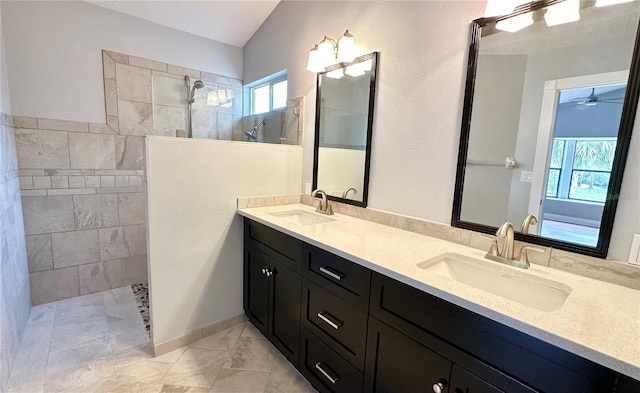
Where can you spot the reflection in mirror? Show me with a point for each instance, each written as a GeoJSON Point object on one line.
{"type": "Point", "coordinates": [344, 118]}
{"type": "Point", "coordinates": [548, 121]}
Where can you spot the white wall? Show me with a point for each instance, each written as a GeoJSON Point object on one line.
{"type": "Point", "coordinates": [54, 57]}
{"type": "Point", "coordinates": [194, 235]}
{"type": "Point", "coordinates": [423, 49]}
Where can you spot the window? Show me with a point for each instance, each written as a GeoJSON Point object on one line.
{"type": "Point", "coordinates": [580, 169]}
{"type": "Point", "coordinates": [268, 94]}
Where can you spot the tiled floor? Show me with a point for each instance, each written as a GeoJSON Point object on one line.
{"type": "Point", "coordinates": [97, 343]}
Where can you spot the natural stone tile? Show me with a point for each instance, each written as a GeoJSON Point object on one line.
{"type": "Point", "coordinates": [168, 119]}
{"type": "Point", "coordinates": [96, 128]}
{"type": "Point", "coordinates": [69, 172]}
{"type": "Point", "coordinates": [96, 211]}
{"type": "Point", "coordinates": [94, 278]}
{"type": "Point", "coordinates": [131, 208]}
{"type": "Point", "coordinates": [138, 377]}
{"type": "Point", "coordinates": [92, 181]}
{"type": "Point", "coordinates": [193, 74]}
{"type": "Point", "coordinates": [85, 378]}
{"type": "Point", "coordinates": [113, 272]}
{"type": "Point", "coordinates": [170, 357]}
{"type": "Point", "coordinates": [221, 341]}
{"type": "Point", "coordinates": [77, 328]}
{"type": "Point", "coordinates": [72, 191]}
{"type": "Point", "coordinates": [238, 381]}
{"type": "Point", "coordinates": [41, 182]}
{"type": "Point", "coordinates": [286, 379]}
{"type": "Point", "coordinates": [113, 244]}
{"type": "Point", "coordinates": [51, 285]}
{"type": "Point", "coordinates": [92, 151]}
{"type": "Point", "coordinates": [120, 190]}
{"type": "Point", "coordinates": [133, 83]}
{"type": "Point", "coordinates": [135, 237]}
{"type": "Point", "coordinates": [107, 181]}
{"type": "Point", "coordinates": [135, 181]}
{"type": "Point", "coordinates": [70, 357]}
{"type": "Point", "coordinates": [63, 125]}
{"type": "Point", "coordinates": [222, 80]}
{"type": "Point", "coordinates": [118, 57]}
{"type": "Point", "coordinates": [146, 63]}
{"type": "Point", "coordinates": [25, 122]}
{"type": "Point", "coordinates": [34, 386]}
{"type": "Point", "coordinates": [108, 66]}
{"type": "Point", "coordinates": [122, 181]}
{"type": "Point", "coordinates": [129, 152]}
{"type": "Point", "coordinates": [42, 313]}
{"type": "Point", "coordinates": [110, 97]}
{"type": "Point", "coordinates": [75, 248]}
{"type": "Point", "coordinates": [29, 365]}
{"type": "Point", "coordinates": [47, 214]}
{"type": "Point", "coordinates": [42, 149]}
{"type": "Point", "coordinates": [619, 273]}
{"type": "Point", "coordinates": [134, 270]}
{"type": "Point", "coordinates": [76, 181]}
{"type": "Point", "coordinates": [39, 252]}
{"type": "Point", "coordinates": [135, 118]}
{"type": "Point", "coordinates": [59, 182]}
{"type": "Point", "coordinates": [113, 123]}
{"type": "Point", "coordinates": [31, 172]}
{"type": "Point", "coordinates": [26, 182]}
{"type": "Point", "coordinates": [33, 193]}
{"type": "Point", "coordinates": [251, 331]}
{"type": "Point", "coordinates": [181, 389]}
{"type": "Point", "coordinates": [251, 353]}
{"type": "Point", "coordinates": [196, 367]}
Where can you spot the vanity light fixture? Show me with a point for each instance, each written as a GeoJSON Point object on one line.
{"type": "Point", "coordinates": [329, 52]}
{"type": "Point", "coordinates": [516, 23]}
{"type": "Point", "coordinates": [564, 12]}
{"type": "Point", "coordinates": [217, 98]}
{"type": "Point", "coordinates": [604, 3]}
{"type": "Point", "coordinates": [358, 68]}
{"type": "Point", "coordinates": [500, 7]}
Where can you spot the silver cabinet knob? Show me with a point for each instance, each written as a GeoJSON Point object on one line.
{"type": "Point", "coordinates": [269, 272]}
{"type": "Point", "coordinates": [438, 387]}
{"type": "Point", "coordinates": [264, 271]}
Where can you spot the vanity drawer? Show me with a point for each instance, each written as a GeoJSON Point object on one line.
{"type": "Point", "coordinates": [278, 241]}
{"type": "Point", "coordinates": [327, 371]}
{"type": "Point", "coordinates": [339, 324]}
{"type": "Point", "coordinates": [344, 278]}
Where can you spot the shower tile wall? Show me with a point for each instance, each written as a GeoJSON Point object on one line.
{"type": "Point", "coordinates": [14, 277]}
{"type": "Point", "coordinates": [281, 126]}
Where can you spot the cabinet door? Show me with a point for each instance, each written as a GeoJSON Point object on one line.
{"type": "Point", "coordinates": [256, 288]}
{"type": "Point", "coordinates": [396, 363]}
{"type": "Point", "coordinates": [463, 381]}
{"type": "Point", "coordinates": [285, 309]}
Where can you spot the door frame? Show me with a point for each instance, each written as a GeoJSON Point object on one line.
{"type": "Point", "coordinates": [545, 131]}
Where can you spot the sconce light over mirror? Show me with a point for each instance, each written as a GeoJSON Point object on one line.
{"type": "Point", "coordinates": [344, 119]}
{"type": "Point", "coordinates": [553, 87]}
{"type": "Point", "coordinates": [329, 52]}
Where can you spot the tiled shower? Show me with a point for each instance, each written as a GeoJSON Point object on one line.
{"type": "Point", "coordinates": [82, 184]}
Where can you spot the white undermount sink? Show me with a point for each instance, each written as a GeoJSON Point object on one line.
{"type": "Point", "coordinates": [302, 217]}
{"type": "Point", "coordinates": [521, 287]}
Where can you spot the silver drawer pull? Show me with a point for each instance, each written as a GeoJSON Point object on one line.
{"type": "Point", "coordinates": [331, 274]}
{"type": "Point", "coordinates": [327, 374]}
{"type": "Point", "coordinates": [336, 325]}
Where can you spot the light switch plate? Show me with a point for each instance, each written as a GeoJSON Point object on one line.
{"type": "Point", "coordinates": [526, 177]}
{"type": "Point", "coordinates": [307, 188]}
{"type": "Point", "coordinates": [634, 253]}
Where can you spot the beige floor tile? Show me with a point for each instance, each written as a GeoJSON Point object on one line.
{"type": "Point", "coordinates": [183, 389]}
{"type": "Point", "coordinates": [35, 386]}
{"type": "Point", "coordinates": [139, 377]}
{"type": "Point", "coordinates": [131, 355]}
{"type": "Point", "coordinates": [252, 353]}
{"type": "Point", "coordinates": [240, 381]}
{"type": "Point", "coordinates": [86, 378]}
{"type": "Point", "coordinates": [251, 331]}
{"type": "Point", "coordinates": [70, 357]}
{"type": "Point", "coordinates": [196, 367]}
{"type": "Point", "coordinates": [222, 341]}
{"type": "Point", "coordinates": [170, 357]}
{"type": "Point", "coordinates": [286, 379]}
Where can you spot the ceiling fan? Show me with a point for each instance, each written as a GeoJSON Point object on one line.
{"type": "Point", "coordinates": [592, 100]}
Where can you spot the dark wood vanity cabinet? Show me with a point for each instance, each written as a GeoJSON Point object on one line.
{"type": "Point", "coordinates": [272, 286]}
{"type": "Point", "coordinates": [348, 329]}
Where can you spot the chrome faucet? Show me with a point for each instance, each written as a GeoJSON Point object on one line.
{"type": "Point", "coordinates": [345, 194]}
{"type": "Point", "coordinates": [505, 232]}
{"type": "Point", "coordinates": [530, 219]}
{"type": "Point", "coordinates": [324, 207]}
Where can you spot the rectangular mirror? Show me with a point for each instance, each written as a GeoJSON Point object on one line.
{"type": "Point", "coordinates": [344, 118]}
{"type": "Point", "coordinates": [547, 123]}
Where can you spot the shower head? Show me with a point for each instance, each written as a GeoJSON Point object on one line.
{"type": "Point", "coordinates": [196, 85]}
{"type": "Point", "coordinates": [251, 134]}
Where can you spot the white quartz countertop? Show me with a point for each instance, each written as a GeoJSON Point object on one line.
{"type": "Point", "coordinates": [598, 321]}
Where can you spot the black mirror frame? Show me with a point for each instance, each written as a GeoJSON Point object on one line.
{"type": "Point", "coordinates": [316, 145]}
{"type": "Point", "coordinates": [622, 147]}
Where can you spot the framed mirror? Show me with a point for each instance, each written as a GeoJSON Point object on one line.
{"type": "Point", "coordinates": [547, 123]}
{"type": "Point", "coordinates": [344, 118]}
